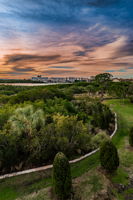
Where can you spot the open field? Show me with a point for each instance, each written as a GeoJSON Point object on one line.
{"type": "Point", "coordinates": [86, 173]}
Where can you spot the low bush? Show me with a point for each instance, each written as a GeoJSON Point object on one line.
{"type": "Point", "coordinates": [109, 157]}
{"type": "Point", "coordinates": [98, 139]}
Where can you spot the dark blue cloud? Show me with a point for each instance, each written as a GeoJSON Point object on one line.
{"type": "Point", "coordinates": [60, 67]}
{"type": "Point", "coordinates": [114, 13]}
{"type": "Point", "coordinates": [70, 11]}
{"type": "Point", "coordinates": [80, 53]}
{"type": "Point", "coordinates": [102, 3]}
{"type": "Point", "coordinates": [110, 71]}
{"type": "Point", "coordinates": [23, 69]}
{"type": "Point", "coordinates": [59, 72]}
{"type": "Point", "coordinates": [120, 70]}
{"type": "Point", "coordinates": [21, 58]}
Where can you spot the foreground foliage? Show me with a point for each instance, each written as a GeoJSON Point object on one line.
{"type": "Point", "coordinates": [62, 183]}
{"type": "Point", "coordinates": [108, 156]}
{"type": "Point", "coordinates": [34, 131]}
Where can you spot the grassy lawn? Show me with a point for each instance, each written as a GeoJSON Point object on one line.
{"type": "Point", "coordinates": [125, 122]}
{"type": "Point", "coordinates": [38, 183]}
{"type": "Point", "coordinates": [19, 186]}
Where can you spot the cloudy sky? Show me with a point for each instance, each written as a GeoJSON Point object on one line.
{"type": "Point", "coordinates": [66, 38]}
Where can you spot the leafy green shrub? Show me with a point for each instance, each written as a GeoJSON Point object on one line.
{"type": "Point", "coordinates": [102, 115]}
{"type": "Point", "coordinates": [38, 93]}
{"type": "Point", "coordinates": [62, 182]}
{"type": "Point", "coordinates": [5, 113]}
{"type": "Point", "coordinates": [4, 99]}
{"type": "Point", "coordinates": [131, 137]}
{"type": "Point", "coordinates": [109, 157]}
{"type": "Point", "coordinates": [99, 139]}
{"type": "Point", "coordinates": [21, 142]}
{"type": "Point", "coordinates": [26, 121]}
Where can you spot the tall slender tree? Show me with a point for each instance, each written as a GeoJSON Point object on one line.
{"type": "Point", "coordinates": [109, 156]}
{"type": "Point", "coordinates": [62, 182]}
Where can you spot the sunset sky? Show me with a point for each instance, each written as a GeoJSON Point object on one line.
{"type": "Point", "coordinates": [66, 38]}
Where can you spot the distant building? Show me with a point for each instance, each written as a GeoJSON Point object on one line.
{"type": "Point", "coordinates": [40, 78]}
{"type": "Point", "coordinates": [116, 80]}
{"type": "Point", "coordinates": [84, 79]}
{"type": "Point", "coordinates": [72, 79]}
{"type": "Point", "coordinates": [43, 79]}
{"type": "Point", "coordinates": [57, 80]}
{"type": "Point", "coordinates": [92, 78]}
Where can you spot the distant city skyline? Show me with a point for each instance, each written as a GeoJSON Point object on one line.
{"type": "Point", "coordinates": [63, 38]}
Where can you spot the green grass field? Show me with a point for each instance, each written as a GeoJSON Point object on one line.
{"type": "Point", "coordinates": [26, 185]}
{"type": "Point", "coordinates": [124, 109]}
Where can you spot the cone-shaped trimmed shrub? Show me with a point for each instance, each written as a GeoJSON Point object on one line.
{"type": "Point", "coordinates": [109, 156]}
{"type": "Point", "coordinates": [131, 137]}
{"type": "Point", "coordinates": [62, 182]}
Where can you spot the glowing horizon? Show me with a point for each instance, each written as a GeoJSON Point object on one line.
{"type": "Point", "coordinates": [66, 38]}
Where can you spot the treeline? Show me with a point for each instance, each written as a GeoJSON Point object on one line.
{"type": "Point", "coordinates": [11, 90]}
{"type": "Point", "coordinates": [17, 81]}
{"type": "Point", "coordinates": [101, 89]}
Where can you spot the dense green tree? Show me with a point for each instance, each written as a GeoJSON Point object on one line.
{"type": "Point", "coordinates": [102, 115]}
{"type": "Point", "coordinates": [91, 89]}
{"type": "Point", "coordinates": [62, 182]}
{"type": "Point", "coordinates": [43, 121]}
{"type": "Point", "coordinates": [22, 133]}
{"type": "Point", "coordinates": [102, 78]}
{"type": "Point", "coordinates": [73, 130]}
{"type": "Point", "coordinates": [109, 156]}
{"type": "Point", "coordinates": [38, 94]}
{"type": "Point", "coordinates": [26, 121]}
